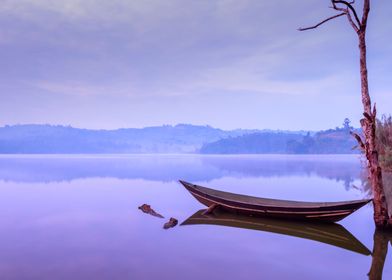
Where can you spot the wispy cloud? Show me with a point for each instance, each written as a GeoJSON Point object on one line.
{"type": "Point", "coordinates": [159, 51]}
{"type": "Point", "coordinates": [77, 88]}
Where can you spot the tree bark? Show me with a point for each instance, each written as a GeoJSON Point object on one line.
{"type": "Point", "coordinates": [368, 124]}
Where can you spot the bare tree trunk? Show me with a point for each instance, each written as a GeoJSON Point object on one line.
{"type": "Point", "coordinates": [368, 123]}
{"type": "Point", "coordinates": [369, 130]}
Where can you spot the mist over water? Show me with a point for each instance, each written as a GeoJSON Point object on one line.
{"type": "Point", "coordinates": [77, 217]}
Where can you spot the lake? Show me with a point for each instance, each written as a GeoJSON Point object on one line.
{"type": "Point", "coordinates": [77, 217]}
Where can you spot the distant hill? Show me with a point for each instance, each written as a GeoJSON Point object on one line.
{"type": "Point", "coordinates": [48, 139]}
{"type": "Point", "coordinates": [334, 141]}
{"type": "Point", "coordinates": [255, 143]}
{"type": "Point", "coordinates": [182, 138]}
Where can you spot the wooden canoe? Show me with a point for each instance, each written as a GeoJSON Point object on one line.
{"type": "Point", "coordinates": [328, 233]}
{"type": "Point", "coordinates": [266, 207]}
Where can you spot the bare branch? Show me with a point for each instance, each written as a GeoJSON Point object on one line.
{"type": "Point", "coordinates": [366, 10]}
{"type": "Point", "coordinates": [350, 7]}
{"type": "Point", "coordinates": [348, 13]}
{"type": "Point", "coordinates": [359, 140]}
{"type": "Point", "coordinates": [356, 28]}
{"type": "Point", "coordinates": [322, 22]}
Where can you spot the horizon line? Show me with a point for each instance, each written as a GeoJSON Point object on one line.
{"type": "Point", "coordinates": [164, 125]}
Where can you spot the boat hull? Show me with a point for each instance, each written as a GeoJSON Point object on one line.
{"type": "Point", "coordinates": [252, 206]}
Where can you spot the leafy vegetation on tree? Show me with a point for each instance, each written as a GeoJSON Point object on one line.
{"type": "Point", "coordinates": [384, 142]}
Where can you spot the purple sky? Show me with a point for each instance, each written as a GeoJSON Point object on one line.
{"type": "Point", "coordinates": [226, 63]}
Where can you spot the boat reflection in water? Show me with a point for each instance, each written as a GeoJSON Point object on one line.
{"type": "Point", "coordinates": [331, 233]}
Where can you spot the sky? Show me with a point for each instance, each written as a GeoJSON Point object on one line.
{"type": "Point", "coordinates": [106, 64]}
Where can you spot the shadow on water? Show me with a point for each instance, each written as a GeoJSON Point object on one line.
{"type": "Point", "coordinates": [328, 233]}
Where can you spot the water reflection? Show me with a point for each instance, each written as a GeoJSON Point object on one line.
{"type": "Point", "coordinates": [345, 168]}
{"type": "Point", "coordinates": [380, 251]}
{"type": "Point", "coordinates": [327, 233]}
{"type": "Point", "coordinates": [333, 234]}
{"type": "Point", "coordinates": [165, 168]}
{"type": "Point", "coordinates": [382, 238]}
{"type": "Point", "coordinates": [77, 217]}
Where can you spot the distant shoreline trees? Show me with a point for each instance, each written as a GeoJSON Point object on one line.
{"type": "Point", "coordinates": [384, 142]}
{"type": "Point", "coordinates": [331, 141]}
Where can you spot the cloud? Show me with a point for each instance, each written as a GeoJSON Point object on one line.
{"type": "Point", "coordinates": [69, 88]}
{"type": "Point", "coordinates": [77, 88]}
{"type": "Point", "coordinates": [166, 49]}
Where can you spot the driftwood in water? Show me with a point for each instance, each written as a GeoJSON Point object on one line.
{"type": "Point", "coordinates": [171, 223]}
{"type": "Point", "coordinates": [148, 210]}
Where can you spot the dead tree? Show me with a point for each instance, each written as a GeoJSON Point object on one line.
{"type": "Point", "coordinates": [368, 123]}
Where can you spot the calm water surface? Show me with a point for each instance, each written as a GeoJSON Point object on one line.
{"type": "Point", "coordinates": [77, 217]}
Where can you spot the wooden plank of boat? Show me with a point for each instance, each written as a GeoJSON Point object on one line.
{"type": "Point", "coordinates": [328, 233]}
{"type": "Point", "coordinates": [255, 206]}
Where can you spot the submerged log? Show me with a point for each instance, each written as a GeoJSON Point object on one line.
{"type": "Point", "coordinates": [171, 223]}
{"type": "Point", "coordinates": [148, 210]}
